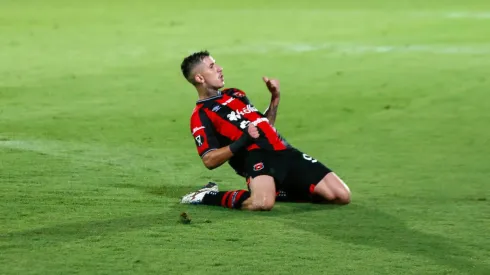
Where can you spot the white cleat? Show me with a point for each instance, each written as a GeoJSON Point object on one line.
{"type": "Point", "coordinates": [197, 196]}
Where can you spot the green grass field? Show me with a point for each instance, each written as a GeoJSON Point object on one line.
{"type": "Point", "coordinates": [95, 145]}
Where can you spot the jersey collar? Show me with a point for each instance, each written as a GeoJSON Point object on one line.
{"type": "Point", "coordinates": [219, 95]}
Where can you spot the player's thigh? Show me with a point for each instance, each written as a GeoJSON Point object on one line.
{"type": "Point", "coordinates": [261, 170]}
{"type": "Point", "coordinates": [333, 188]}
{"type": "Point", "coordinates": [264, 163]}
{"type": "Point", "coordinates": [262, 187]}
{"type": "Point", "coordinates": [305, 174]}
{"type": "Point", "coordinates": [262, 193]}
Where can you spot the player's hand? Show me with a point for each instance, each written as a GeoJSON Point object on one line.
{"type": "Point", "coordinates": [272, 85]}
{"type": "Point", "coordinates": [253, 131]}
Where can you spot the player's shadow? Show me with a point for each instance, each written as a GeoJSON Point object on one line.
{"type": "Point", "coordinates": [360, 225]}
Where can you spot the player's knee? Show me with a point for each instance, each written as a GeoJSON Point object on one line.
{"type": "Point", "coordinates": [341, 193]}
{"type": "Point", "coordinates": [263, 193]}
{"type": "Point", "coordinates": [332, 188]}
{"type": "Point", "coordinates": [343, 196]}
{"type": "Point", "coordinates": [264, 203]}
{"type": "Point", "coordinates": [259, 203]}
{"type": "Point", "coordinates": [267, 205]}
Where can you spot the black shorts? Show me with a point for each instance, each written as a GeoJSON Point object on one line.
{"type": "Point", "coordinates": [294, 172]}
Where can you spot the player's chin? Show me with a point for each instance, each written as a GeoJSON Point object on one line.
{"type": "Point", "coordinates": [220, 84]}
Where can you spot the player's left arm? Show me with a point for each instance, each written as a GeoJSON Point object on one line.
{"type": "Point", "coordinates": [274, 89]}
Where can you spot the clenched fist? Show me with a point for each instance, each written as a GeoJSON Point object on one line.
{"type": "Point", "coordinates": [272, 86]}
{"type": "Point", "coordinates": [253, 131]}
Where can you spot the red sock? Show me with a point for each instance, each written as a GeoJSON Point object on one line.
{"type": "Point", "coordinates": [229, 199]}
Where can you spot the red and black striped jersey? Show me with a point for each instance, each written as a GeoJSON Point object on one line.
{"type": "Point", "coordinates": [218, 121]}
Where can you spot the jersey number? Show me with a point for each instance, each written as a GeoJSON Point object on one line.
{"type": "Point", "coordinates": [308, 158]}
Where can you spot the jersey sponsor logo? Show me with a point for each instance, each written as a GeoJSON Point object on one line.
{"type": "Point", "coordinates": [216, 108]}
{"type": "Point", "coordinates": [244, 124]}
{"type": "Point", "coordinates": [258, 166]}
{"type": "Point", "coordinates": [237, 114]}
{"type": "Point", "coordinates": [228, 101]}
{"type": "Point", "coordinates": [199, 140]}
{"type": "Point", "coordinates": [197, 129]}
{"type": "Point", "coordinates": [256, 122]}
{"type": "Point", "coordinates": [233, 116]}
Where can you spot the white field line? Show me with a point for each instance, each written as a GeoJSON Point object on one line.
{"type": "Point", "coordinates": [352, 48]}
{"type": "Point", "coordinates": [87, 154]}
{"type": "Point", "coordinates": [467, 15]}
{"type": "Point", "coordinates": [404, 13]}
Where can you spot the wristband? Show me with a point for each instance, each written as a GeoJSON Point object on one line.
{"type": "Point", "coordinates": [240, 143]}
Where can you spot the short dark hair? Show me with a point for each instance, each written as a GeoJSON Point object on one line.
{"type": "Point", "coordinates": [192, 61]}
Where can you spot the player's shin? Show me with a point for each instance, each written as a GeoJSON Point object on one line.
{"type": "Point", "coordinates": [229, 199]}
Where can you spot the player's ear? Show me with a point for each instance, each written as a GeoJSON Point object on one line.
{"type": "Point", "coordinates": [198, 78]}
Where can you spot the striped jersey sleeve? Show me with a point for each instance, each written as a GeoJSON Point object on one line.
{"type": "Point", "coordinates": [203, 132]}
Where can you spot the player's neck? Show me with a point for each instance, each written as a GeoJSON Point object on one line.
{"type": "Point", "coordinates": [204, 92]}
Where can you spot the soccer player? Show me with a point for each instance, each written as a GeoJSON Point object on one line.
{"type": "Point", "coordinates": [227, 127]}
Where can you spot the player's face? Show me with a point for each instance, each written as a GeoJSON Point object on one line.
{"type": "Point", "coordinates": [211, 74]}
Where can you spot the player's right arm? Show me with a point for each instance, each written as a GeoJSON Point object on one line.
{"type": "Point", "coordinates": [207, 145]}
{"type": "Point", "coordinates": [217, 157]}
{"type": "Point", "coordinates": [273, 87]}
